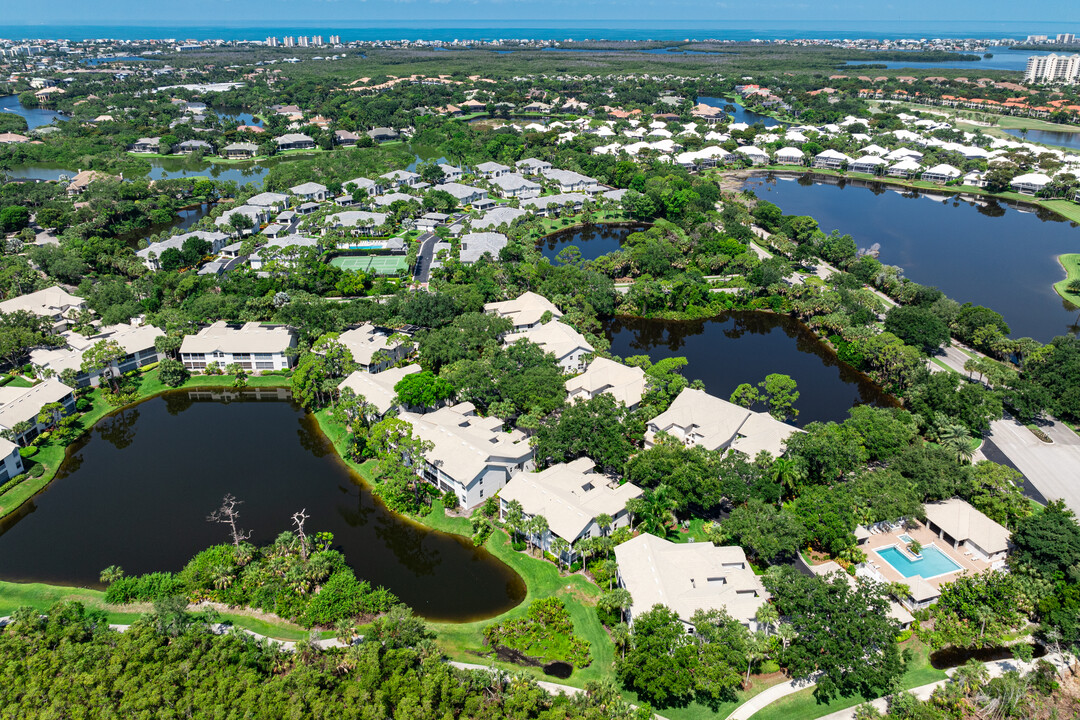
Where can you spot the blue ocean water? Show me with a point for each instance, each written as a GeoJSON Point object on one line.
{"type": "Point", "coordinates": [449, 30]}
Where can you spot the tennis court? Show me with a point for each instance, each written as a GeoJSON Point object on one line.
{"type": "Point", "coordinates": [377, 264]}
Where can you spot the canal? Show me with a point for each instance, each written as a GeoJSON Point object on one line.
{"type": "Point", "coordinates": [975, 250]}
{"type": "Point", "coordinates": [743, 347]}
{"type": "Point", "coordinates": [136, 492]}
{"type": "Point", "coordinates": [35, 117]}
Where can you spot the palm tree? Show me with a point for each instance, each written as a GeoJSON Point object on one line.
{"type": "Point", "coordinates": [345, 631]}
{"type": "Point", "coordinates": [537, 528]}
{"type": "Point", "coordinates": [755, 651]}
{"type": "Point", "coordinates": [604, 521]}
{"type": "Point", "coordinates": [786, 632]}
{"type": "Point", "coordinates": [957, 439]}
{"type": "Point", "coordinates": [111, 574]}
{"type": "Point", "coordinates": [560, 549]}
{"type": "Point", "coordinates": [221, 576]}
{"type": "Point", "coordinates": [767, 616]}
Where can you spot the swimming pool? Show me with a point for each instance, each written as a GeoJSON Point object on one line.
{"type": "Point", "coordinates": [905, 538]}
{"type": "Point", "coordinates": [933, 562]}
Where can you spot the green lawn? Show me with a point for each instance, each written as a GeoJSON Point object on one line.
{"type": "Point", "coordinates": [1070, 262]}
{"type": "Point", "coordinates": [17, 381]}
{"type": "Point", "coordinates": [803, 706]}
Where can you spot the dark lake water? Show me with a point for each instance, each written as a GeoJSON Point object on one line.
{"type": "Point", "coordinates": [181, 167]}
{"type": "Point", "coordinates": [136, 493]}
{"type": "Point", "coordinates": [1002, 60]}
{"type": "Point", "coordinates": [1047, 137]}
{"type": "Point", "coordinates": [741, 114]}
{"type": "Point", "coordinates": [35, 117]}
{"type": "Point", "coordinates": [744, 347]}
{"type": "Point", "coordinates": [592, 240]}
{"type": "Point", "coordinates": [982, 252]}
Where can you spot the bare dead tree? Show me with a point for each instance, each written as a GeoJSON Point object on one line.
{"type": "Point", "coordinates": [228, 514]}
{"type": "Point", "coordinates": [299, 518]}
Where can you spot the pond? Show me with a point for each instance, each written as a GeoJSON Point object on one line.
{"type": "Point", "coordinates": [741, 114]}
{"type": "Point", "coordinates": [35, 117]}
{"type": "Point", "coordinates": [181, 167]}
{"type": "Point", "coordinates": [185, 219]}
{"type": "Point", "coordinates": [974, 250]}
{"type": "Point", "coordinates": [1047, 137]}
{"type": "Point", "coordinates": [137, 491]}
{"type": "Point", "coordinates": [592, 240]}
{"type": "Point", "coordinates": [41, 172]}
{"type": "Point", "coordinates": [743, 347]}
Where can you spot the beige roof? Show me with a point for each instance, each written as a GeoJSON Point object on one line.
{"type": "Point", "coordinates": [49, 302]}
{"type": "Point", "coordinates": [252, 337]}
{"type": "Point", "coordinates": [964, 522]}
{"type": "Point", "coordinates": [19, 404]}
{"type": "Point", "coordinates": [7, 448]}
{"type": "Point", "coordinates": [465, 443]}
{"type": "Point", "coordinates": [132, 338]}
{"type": "Point", "coordinates": [762, 431]}
{"type": "Point", "coordinates": [626, 384]}
{"type": "Point", "coordinates": [554, 337]}
{"type": "Point", "coordinates": [364, 341]}
{"type": "Point", "coordinates": [569, 495]}
{"type": "Point", "coordinates": [689, 577]}
{"type": "Point", "coordinates": [378, 388]}
{"type": "Point", "coordinates": [711, 421]}
{"type": "Point", "coordinates": [525, 309]}
{"type": "Point", "coordinates": [921, 590]}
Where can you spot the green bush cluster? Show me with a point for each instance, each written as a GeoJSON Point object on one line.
{"type": "Point", "coordinates": [546, 632]}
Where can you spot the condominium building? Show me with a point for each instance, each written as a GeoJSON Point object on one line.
{"type": "Point", "coordinates": [252, 346]}
{"type": "Point", "coordinates": [1053, 69]}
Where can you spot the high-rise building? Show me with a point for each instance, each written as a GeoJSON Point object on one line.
{"type": "Point", "coordinates": [335, 39]}
{"type": "Point", "coordinates": [1066, 38]}
{"type": "Point", "coordinates": [289, 41]}
{"type": "Point", "coordinates": [302, 41]}
{"type": "Point", "coordinates": [1053, 69]}
{"type": "Point", "coordinates": [316, 41]}
{"type": "Point", "coordinates": [271, 42]}
{"type": "Point", "coordinates": [1036, 39]}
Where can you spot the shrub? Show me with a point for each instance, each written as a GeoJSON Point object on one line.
{"type": "Point", "coordinates": [172, 372]}
{"type": "Point", "coordinates": [339, 599]}
{"type": "Point", "coordinates": [30, 451]}
{"type": "Point", "coordinates": [37, 470]}
{"type": "Point", "coordinates": [144, 588]}
{"type": "Point", "coordinates": [450, 500]}
{"type": "Point", "coordinates": [82, 404]}
{"type": "Point", "coordinates": [12, 483]}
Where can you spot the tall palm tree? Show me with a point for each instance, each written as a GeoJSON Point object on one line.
{"type": "Point", "coordinates": [221, 576]}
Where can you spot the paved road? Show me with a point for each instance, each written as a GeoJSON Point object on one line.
{"type": "Point", "coordinates": [422, 272]}
{"type": "Point", "coordinates": [1050, 467]}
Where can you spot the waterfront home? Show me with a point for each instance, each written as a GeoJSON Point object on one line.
{"type": "Point", "coordinates": [624, 383]}
{"type": "Point", "coordinates": [569, 347]}
{"type": "Point", "coordinates": [189, 146]}
{"type": "Point", "coordinates": [512, 185]}
{"type": "Point", "coordinates": [687, 577]}
{"type": "Point", "coordinates": [867, 164]}
{"type": "Point", "coordinates": [272, 200]}
{"type": "Point", "coordinates": [284, 250]}
{"type": "Point", "coordinates": [136, 339]}
{"type": "Point", "coordinates": [491, 169]}
{"type": "Point", "coordinates": [369, 187]}
{"type": "Point", "coordinates": [295, 141]}
{"type": "Point", "coordinates": [450, 173]}
{"type": "Point", "coordinates": [1030, 183]}
{"type": "Point", "coordinates": [902, 153]}
{"type": "Point", "coordinates": [151, 254]}
{"type": "Point", "coordinates": [20, 407]}
{"type": "Point", "coordinates": [382, 134]}
{"type": "Point", "coordinates": [240, 150]}
{"type": "Point", "coordinates": [146, 145]}
{"type": "Point", "coordinates": [309, 191]}
{"type": "Point", "coordinates": [570, 496]}
{"type": "Point", "coordinates": [755, 155]}
{"type": "Point", "coordinates": [378, 389]}
{"type": "Point", "coordinates": [9, 138]}
{"type": "Point", "coordinates": [400, 178]}
{"type": "Point", "coordinates": [964, 528]}
{"type": "Point", "coordinates": [253, 346]}
{"type": "Point", "coordinates": [874, 150]}
{"type": "Point", "coordinates": [526, 311]}
{"type": "Point", "coordinates": [790, 156]}
{"type": "Point", "coordinates": [497, 217]}
{"type": "Point", "coordinates": [905, 168]}
{"type": "Point", "coordinates": [373, 348]}
{"type": "Point", "coordinates": [360, 222]}
{"type": "Point", "coordinates": [697, 418]}
{"type": "Point", "coordinates": [345, 138]}
{"type": "Point", "coordinates": [941, 174]}
{"type": "Point", "coordinates": [471, 456]}
{"type": "Point", "coordinates": [464, 194]}
{"type": "Point", "coordinates": [53, 302]}
{"type": "Point", "coordinates": [475, 245]}
{"type": "Point", "coordinates": [831, 159]}
{"type": "Point", "coordinates": [569, 181]}
{"type": "Point", "coordinates": [11, 463]}
{"type": "Point", "coordinates": [975, 179]}
{"type": "Point", "coordinates": [708, 113]}
{"type": "Point", "coordinates": [532, 166]}
{"type": "Point", "coordinates": [256, 216]}
{"type": "Point", "coordinates": [82, 180]}
{"type": "Point", "coordinates": [553, 204]}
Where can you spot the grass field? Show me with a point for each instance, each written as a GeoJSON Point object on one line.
{"type": "Point", "coordinates": [378, 264]}
{"type": "Point", "coordinates": [1070, 262]}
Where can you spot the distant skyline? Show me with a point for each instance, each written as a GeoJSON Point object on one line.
{"type": "Point", "coordinates": [1052, 14]}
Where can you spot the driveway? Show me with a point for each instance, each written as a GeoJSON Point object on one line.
{"type": "Point", "coordinates": [424, 256]}
{"type": "Point", "coordinates": [1052, 468]}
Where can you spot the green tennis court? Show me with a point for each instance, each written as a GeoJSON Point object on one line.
{"type": "Point", "coordinates": [378, 264]}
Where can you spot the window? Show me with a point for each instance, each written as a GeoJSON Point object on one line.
{"type": "Point", "coordinates": [481, 492]}
{"type": "Point", "coordinates": [264, 356]}
{"type": "Point", "coordinates": [264, 366]}
{"type": "Point", "coordinates": [241, 356]}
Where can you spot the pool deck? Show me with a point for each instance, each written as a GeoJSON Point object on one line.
{"type": "Point", "coordinates": [925, 538]}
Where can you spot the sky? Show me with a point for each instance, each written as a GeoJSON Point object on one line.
{"type": "Point", "coordinates": [1054, 14]}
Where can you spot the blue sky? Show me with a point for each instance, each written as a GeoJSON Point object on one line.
{"type": "Point", "coordinates": [1052, 14]}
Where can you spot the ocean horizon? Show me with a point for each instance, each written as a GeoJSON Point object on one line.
{"type": "Point", "coordinates": [612, 30]}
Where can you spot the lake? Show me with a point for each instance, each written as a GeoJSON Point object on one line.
{"type": "Point", "coordinates": [592, 240]}
{"type": "Point", "coordinates": [978, 251]}
{"type": "Point", "coordinates": [1003, 59]}
{"type": "Point", "coordinates": [1047, 137]}
{"type": "Point", "coordinates": [743, 347]}
{"type": "Point", "coordinates": [181, 167]}
{"type": "Point", "coordinates": [35, 117]}
{"type": "Point", "coordinates": [137, 491]}
{"type": "Point", "coordinates": [741, 114]}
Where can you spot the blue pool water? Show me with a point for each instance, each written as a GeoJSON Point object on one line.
{"type": "Point", "coordinates": [933, 562]}
{"type": "Point", "coordinates": [905, 538]}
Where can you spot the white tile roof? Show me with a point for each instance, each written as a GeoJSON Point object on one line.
{"type": "Point", "coordinates": [554, 337]}
{"type": "Point", "coordinates": [251, 337]}
{"type": "Point", "coordinates": [626, 384]}
{"type": "Point", "coordinates": [525, 309]}
{"type": "Point", "coordinates": [378, 388]}
{"type": "Point", "coordinates": [963, 522]}
{"type": "Point", "coordinates": [465, 444]}
{"type": "Point", "coordinates": [23, 404]}
{"type": "Point", "coordinates": [46, 303]}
